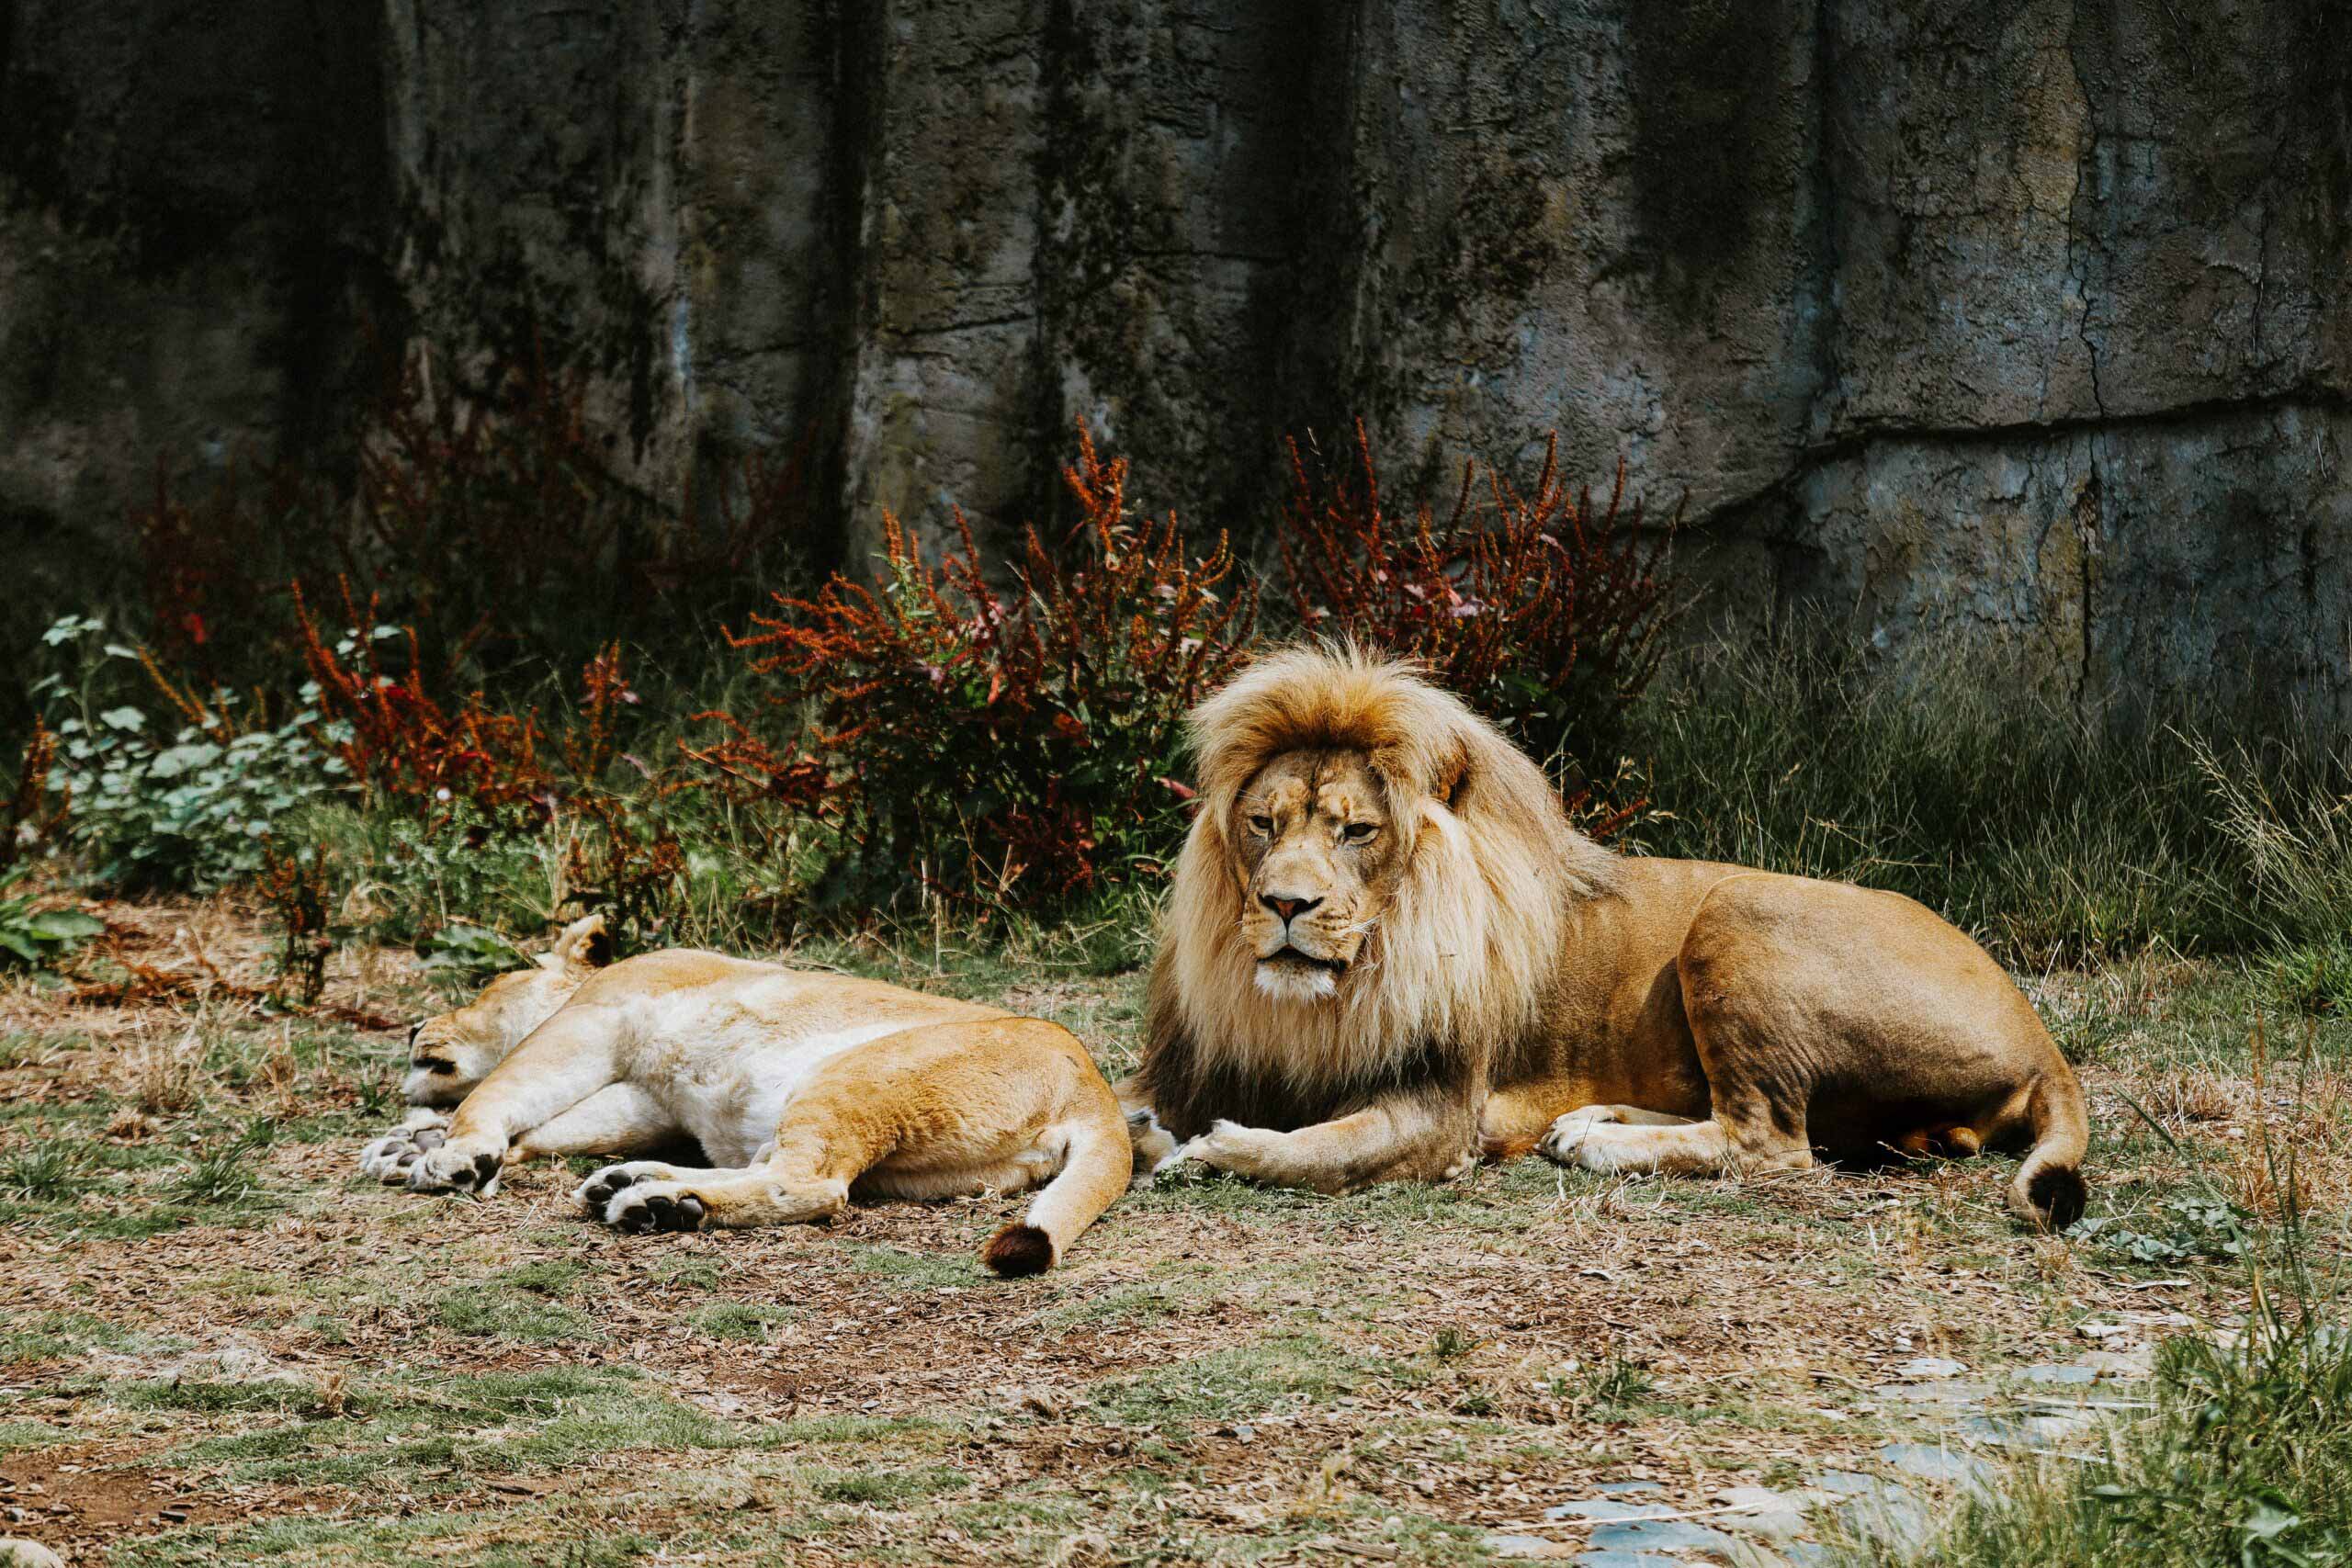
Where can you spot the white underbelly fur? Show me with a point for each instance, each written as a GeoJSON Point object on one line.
{"type": "Point", "coordinates": [726, 1084]}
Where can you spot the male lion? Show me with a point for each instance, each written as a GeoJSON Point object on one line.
{"type": "Point", "coordinates": [1386, 950]}
{"type": "Point", "coordinates": [808, 1087]}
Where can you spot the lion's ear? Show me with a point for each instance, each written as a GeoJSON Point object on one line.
{"type": "Point", "coordinates": [1418, 766]}
{"type": "Point", "coordinates": [1453, 772]}
{"type": "Point", "coordinates": [584, 944]}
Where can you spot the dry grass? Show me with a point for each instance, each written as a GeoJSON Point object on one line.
{"type": "Point", "coordinates": [220, 1346]}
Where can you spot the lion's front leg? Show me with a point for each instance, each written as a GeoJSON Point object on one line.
{"type": "Point", "coordinates": [1404, 1139]}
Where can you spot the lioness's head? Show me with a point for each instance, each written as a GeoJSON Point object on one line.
{"type": "Point", "coordinates": [450, 1052]}
{"type": "Point", "coordinates": [1374, 868]}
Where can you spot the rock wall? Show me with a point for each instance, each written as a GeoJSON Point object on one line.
{"type": "Point", "coordinates": [2024, 322]}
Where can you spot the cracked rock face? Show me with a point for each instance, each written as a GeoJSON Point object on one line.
{"type": "Point", "coordinates": [2023, 322]}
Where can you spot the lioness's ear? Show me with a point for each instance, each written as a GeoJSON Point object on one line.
{"type": "Point", "coordinates": [584, 944]}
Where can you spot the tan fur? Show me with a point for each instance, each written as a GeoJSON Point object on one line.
{"type": "Point", "coordinates": [1387, 947]}
{"type": "Point", "coordinates": [807, 1089]}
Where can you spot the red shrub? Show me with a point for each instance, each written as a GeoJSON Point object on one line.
{"type": "Point", "coordinates": [404, 745]}
{"type": "Point", "coordinates": [1016, 750]}
{"type": "Point", "coordinates": [1544, 613]}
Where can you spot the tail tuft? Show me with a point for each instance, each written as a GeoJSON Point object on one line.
{"type": "Point", "coordinates": [2057, 1195]}
{"type": "Point", "coordinates": [1018, 1250]}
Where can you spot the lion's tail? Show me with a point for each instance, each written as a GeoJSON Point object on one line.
{"type": "Point", "coordinates": [1096, 1171]}
{"type": "Point", "coordinates": [2048, 1191]}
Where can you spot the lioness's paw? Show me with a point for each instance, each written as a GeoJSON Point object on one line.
{"type": "Point", "coordinates": [654, 1206]}
{"type": "Point", "coordinates": [1566, 1143]}
{"type": "Point", "coordinates": [390, 1158]}
{"type": "Point", "coordinates": [457, 1167]}
{"type": "Point", "coordinates": [595, 1194]}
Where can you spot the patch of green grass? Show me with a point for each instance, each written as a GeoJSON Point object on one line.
{"type": "Point", "coordinates": [496, 1312]}
{"type": "Point", "coordinates": [552, 1542]}
{"type": "Point", "coordinates": [207, 1396]}
{"type": "Point", "coordinates": [225, 1177]}
{"type": "Point", "coordinates": [915, 1269]}
{"type": "Point", "coordinates": [2315, 979]}
{"type": "Point", "coordinates": [753, 1322]}
{"type": "Point", "coordinates": [48, 1171]}
{"type": "Point", "coordinates": [547, 1277]}
{"type": "Point", "coordinates": [19, 1436]}
{"type": "Point", "coordinates": [1609, 1389]}
{"type": "Point", "coordinates": [58, 1335]}
{"type": "Point", "coordinates": [888, 1488]}
{"type": "Point", "coordinates": [1281, 1369]}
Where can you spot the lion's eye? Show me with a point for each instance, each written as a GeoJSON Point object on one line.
{"type": "Point", "coordinates": [1359, 833]}
{"type": "Point", "coordinates": [1261, 825]}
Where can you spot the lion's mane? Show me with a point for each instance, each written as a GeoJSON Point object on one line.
{"type": "Point", "coordinates": [1460, 966]}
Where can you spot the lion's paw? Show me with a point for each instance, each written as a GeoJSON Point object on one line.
{"type": "Point", "coordinates": [596, 1195]}
{"type": "Point", "coordinates": [654, 1206]}
{"type": "Point", "coordinates": [1252, 1152]}
{"type": "Point", "coordinates": [1567, 1141]}
{"type": "Point", "coordinates": [457, 1167]}
{"type": "Point", "coordinates": [390, 1158]}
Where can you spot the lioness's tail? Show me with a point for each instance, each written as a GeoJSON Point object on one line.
{"type": "Point", "coordinates": [2049, 1188]}
{"type": "Point", "coordinates": [1094, 1172]}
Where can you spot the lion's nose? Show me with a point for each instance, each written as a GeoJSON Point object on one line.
{"type": "Point", "coordinates": [1289, 909]}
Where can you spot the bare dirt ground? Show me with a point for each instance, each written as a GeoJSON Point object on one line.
{"type": "Point", "coordinates": [218, 1345]}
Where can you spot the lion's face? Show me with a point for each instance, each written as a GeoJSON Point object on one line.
{"type": "Point", "coordinates": [452, 1052]}
{"type": "Point", "coordinates": [1319, 859]}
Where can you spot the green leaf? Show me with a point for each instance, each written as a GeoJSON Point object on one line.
{"type": "Point", "coordinates": [64, 925]}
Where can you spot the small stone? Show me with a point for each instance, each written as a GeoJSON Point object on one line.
{"type": "Point", "coordinates": [1663, 1535]}
{"type": "Point", "coordinates": [1925, 1368]}
{"type": "Point", "coordinates": [1625, 1488]}
{"type": "Point", "coordinates": [1527, 1546]}
{"type": "Point", "coordinates": [1892, 1517]}
{"type": "Point", "coordinates": [17, 1552]}
{"type": "Point", "coordinates": [1775, 1515]}
{"type": "Point", "coordinates": [2050, 1373]}
{"type": "Point", "coordinates": [2136, 1363]}
{"type": "Point", "coordinates": [1606, 1509]}
{"type": "Point", "coordinates": [2105, 1330]}
{"type": "Point", "coordinates": [1931, 1464]}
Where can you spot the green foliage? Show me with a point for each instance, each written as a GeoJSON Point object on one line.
{"type": "Point", "coordinates": [36, 938]}
{"type": "Point", "coordinates": [2187, 1226]}
{"type": "Point", "coordinates": [2051, 837]}
{"type": "Point", "coordinates": [2316, 977]}
{"type": "Point", "coordinates": [470, 953]}
{"type": "Point", "coordinates": [187, 809]}
{"type": "Point", "coordinates": [2248, 1460]}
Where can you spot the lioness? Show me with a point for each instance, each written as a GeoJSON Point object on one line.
{"type": "Point", "coordinates": [1387, 949]}
{"type": "Point", "coordinates": [809, 1087]}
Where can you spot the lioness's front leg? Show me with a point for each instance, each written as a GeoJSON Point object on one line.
{"type": "Point", "coordinates": [564, 1061]}
{"type": "Point", "coordinates": [1400, 1138]}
